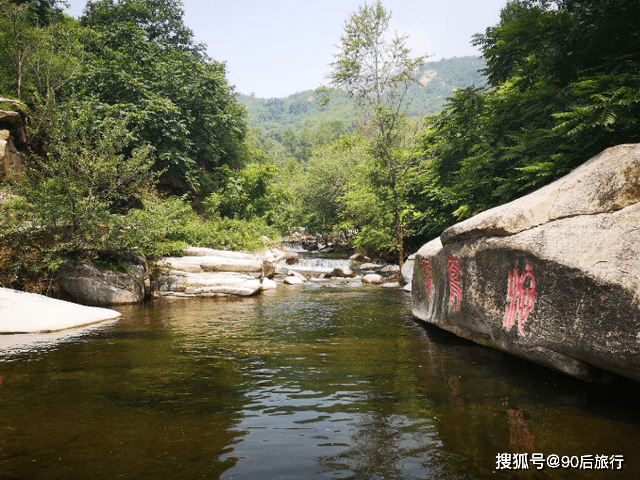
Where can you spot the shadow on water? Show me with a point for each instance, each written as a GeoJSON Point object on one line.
{"type": "Point", "coordinates": [317, 381]}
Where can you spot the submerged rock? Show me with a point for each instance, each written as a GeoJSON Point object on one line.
{"type": "Point", "coordinates": [298, 275]}
{"type": "Point", "coordinates": [370, 266]}
{"type": "Point", "coordinates": [551, 277]}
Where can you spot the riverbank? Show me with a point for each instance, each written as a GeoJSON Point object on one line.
{"type": "Point", "coordinates": [22, 312]}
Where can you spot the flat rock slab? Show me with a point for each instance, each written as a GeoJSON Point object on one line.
{"type": "Point", "coordinates": [206, 284]}
{"type": "Point", "coordinates": [22, 312]}
{"type": "Point", "coordinates": [211, 252]}
{"type": "Point", "coordinates": [209, 263]}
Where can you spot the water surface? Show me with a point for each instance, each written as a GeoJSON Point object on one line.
{"type": "Point", "coordinates": [320, 381]}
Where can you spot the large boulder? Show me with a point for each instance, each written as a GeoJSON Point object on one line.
{"type": "Point", "coordinates": [551, 277]}
{"type": "Point", "coordinates": [91, 285]}
{"type": "Point", "coordinates": [14, 122]}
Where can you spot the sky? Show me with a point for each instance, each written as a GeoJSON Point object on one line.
{"type": "Point", "coordinates": [274, 49]}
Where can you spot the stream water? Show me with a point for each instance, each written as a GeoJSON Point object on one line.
{"type": "Point", "coordinates": [322, 381]}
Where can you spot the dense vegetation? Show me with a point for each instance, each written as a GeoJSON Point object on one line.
{"type": "Point", "coordinates": [138, 144]}
{"type": "Point", "coordinates": [564, 84]}
{"type": "Point", "coordinates": [130, 124]}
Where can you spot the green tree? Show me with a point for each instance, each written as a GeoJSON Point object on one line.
{"type": "Point", "coordinates": [376, 72]}
{"type": "Point", "coordinates": [332, 170]}
{"type": "Point", "coordinates": [246, 193]}
{"type": "Point", "coordinates": [87, 173]}
{"type": "Point", "coordinates": [143, 60]}
{"type": "Point", "coordinates": [37, 57]}
{"type": "Point", "coordinates": [45, 10]}
{"type": "Point", "coordinates": [17, 43]}
{"type": "Point", "coordinates": [73, 199]}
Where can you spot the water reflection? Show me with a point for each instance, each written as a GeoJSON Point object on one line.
{"type": "Point", "coordinates": [521, 440]}
{"type": "Point", "coordinates": [298, 383]}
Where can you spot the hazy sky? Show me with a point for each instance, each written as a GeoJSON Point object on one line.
{"type": "Point", "coordinates": [278, 48]}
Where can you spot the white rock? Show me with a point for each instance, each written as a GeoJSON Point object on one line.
{"type": "Point", "coordinates": [372, 279]}
{"type": "Point", "coordinates": [268, 284]}
{"type": "Point", "coordinates": [298, 275]}
{"type": "Point", "coordinates": [22, 312]}
{"type": "Point", "coordinates": [292, 280]}
{"type": "Point", "coordinates": [370, 266]}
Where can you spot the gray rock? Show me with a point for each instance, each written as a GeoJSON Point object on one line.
{"type": "Point", "coordinates": [205, 272]}
{"type": "Point", "coordinates": [11, 164]}
{"type": "Point", "coordinates": [211, 263]}
{"type": "Point", "coordinates": [552, 277]}
{"type": "Point", "coordinates": [206, 284]}
{"type": "Point", "coordinates": [359, 257]}
{"type": "Point", "coordinates": [344, 272]}
{"type": "Point", "coordinates": [268, 284]}
{"type": "Point", "coordinates": [91, 285]}
{"type": "Point", "coordinates": [407, 269]}
{"type": "Point", "coordinates": [390, 269]}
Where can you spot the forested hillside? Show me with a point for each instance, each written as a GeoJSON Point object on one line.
{"type": "Point", "coordinates": [435, 82]}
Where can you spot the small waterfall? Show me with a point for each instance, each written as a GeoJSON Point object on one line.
{"type": "Point", "coordinates": [320, 264]}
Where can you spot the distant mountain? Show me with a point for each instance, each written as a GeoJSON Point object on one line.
{"type": "Point", "coordinates": [435, 82]}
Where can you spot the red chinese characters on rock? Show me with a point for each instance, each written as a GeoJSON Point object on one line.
{"type": "Point", "coordinates": [426, 270]}
{"type": "Point", "coordinates": [455, 287]}
{"type": "Point", "coordinates": [521, 298]}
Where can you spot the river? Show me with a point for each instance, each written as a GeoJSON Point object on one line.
{"type": "Point", "coordinates": [321, 381]}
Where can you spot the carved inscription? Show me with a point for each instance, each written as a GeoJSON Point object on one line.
{"type": "Point", "coordinates": [522, 298]}
{"type": "Point", "coordinates": [455, 287]}
{"type": "Point", "coordinates": [426, 270]}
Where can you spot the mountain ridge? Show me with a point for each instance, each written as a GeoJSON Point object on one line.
{"type": "Point", "coordinates": [435, 82]}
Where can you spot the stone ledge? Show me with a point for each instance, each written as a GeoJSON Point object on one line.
{"type": "Point", "coordinates": [22, 312]}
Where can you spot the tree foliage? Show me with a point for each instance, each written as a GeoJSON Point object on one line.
{"type": "Point", "coordinates": [144, 60]}
{"type": "Point", "coordinates": [120, 104]}
{"type": "Point", "coordinates": [563, 86]}
{"type": "Point", "coordinates": [376, 71]}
